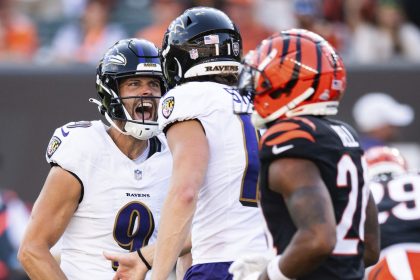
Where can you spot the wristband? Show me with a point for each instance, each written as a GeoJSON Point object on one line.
{"type": "Point", "coordinates": [149, 267]}
{"type": "Point", "coordinates": [273, 270]}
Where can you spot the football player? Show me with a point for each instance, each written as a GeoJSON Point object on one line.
{"type": "Point", "coordinates": [319, 212]}
{"type": "Point", "coordinates": [106, 184]}
{"type": "Point", "coordinates": [397, 194]}
{"type": "Point", "coordinates": [213, 190]}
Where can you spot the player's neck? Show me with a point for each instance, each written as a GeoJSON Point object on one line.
{"type": "Point", "coordinates": [129, 145]}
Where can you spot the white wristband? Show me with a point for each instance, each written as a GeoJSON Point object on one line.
{"type": "Point", "coordinates": [273, 270]}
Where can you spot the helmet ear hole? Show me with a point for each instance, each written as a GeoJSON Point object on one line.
{"type": "Point", "coordinates": [189, 21]}
{"type": "Point", "coordinates": [265, 84]}
{"type": "Point", "coordinates": [171, 69]}
{"type": "Point", "coordinates": [118, 111]}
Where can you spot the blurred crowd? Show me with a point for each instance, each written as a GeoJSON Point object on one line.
{"type": "Point", "coordinates": [78, 31]}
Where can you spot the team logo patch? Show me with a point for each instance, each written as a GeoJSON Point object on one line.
{"type": "Point", "coordinates": [55, 142]}
{"type": "Point", "coordinates": [168, 106]}
{"type": "Point", "coordinates": [235, 47]}
{"type": "Point", "coordinates": [194, 54]}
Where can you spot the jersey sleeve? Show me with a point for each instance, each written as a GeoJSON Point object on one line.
{"type": "Point", "coordinates": [291, 138]}
{"type": "Point", "coordinates": [69, 148]}
{"type": "Point", "coordinates": [185, 102]}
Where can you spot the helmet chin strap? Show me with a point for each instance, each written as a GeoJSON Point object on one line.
{"type": "Point", "coordinates": [131, 129]}
{"type": "Point", "coordinates": [259, 122]}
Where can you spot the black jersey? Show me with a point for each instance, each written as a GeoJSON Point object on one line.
{"type": "Point", "coordinates": [398, 201]}
{"type": "Point", "coordinates": [333, 146]}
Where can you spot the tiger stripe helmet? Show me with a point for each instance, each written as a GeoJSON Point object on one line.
{"type": "Point", "coordinates": [295, 72]}
{"type": "Point", "coordinates": [385, 160]}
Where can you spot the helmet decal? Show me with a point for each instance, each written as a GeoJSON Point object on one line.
{"type": "Point", "coordinates": [236, 48]}
{"type": "Point", "coordinates": [117, 59]}
{"type": "Point", "coordinates": [193, 54]}
{"type": "Point", "coordinates": [211, 39]}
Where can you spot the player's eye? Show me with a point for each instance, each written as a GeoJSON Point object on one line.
{"type": "Point", "coordinates": [133, 83]}
{"type": "Point", "coordinates": [154, 84]}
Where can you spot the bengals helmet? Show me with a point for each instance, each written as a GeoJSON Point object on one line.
{"type": "Point", "coordinates": [295, 72]}
{"type": "Point", "coordinates": [128, 58]}
{"type": "Point", "coordinates": [201, 42]}
{"type": "Point", "coordinates": [385, 160]}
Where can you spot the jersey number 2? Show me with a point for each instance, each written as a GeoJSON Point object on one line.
{"type": "Point", "coordinates": [346, 245]}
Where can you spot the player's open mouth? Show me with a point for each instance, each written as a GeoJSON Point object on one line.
{"type": "Point", "coordinates": [144, 110]}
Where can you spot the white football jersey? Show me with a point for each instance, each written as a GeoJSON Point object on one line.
{"type": "Point", "coordinates": [227, 224]}
{"type": "Point", "coordinates": [121, 203]}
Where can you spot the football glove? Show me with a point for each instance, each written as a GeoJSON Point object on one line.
{"type": "Point", "coordinates": [248, 267]}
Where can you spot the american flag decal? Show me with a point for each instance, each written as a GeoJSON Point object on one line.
{"type": "Point", "coordinates": [337, 85]}
{"type": "Point", "coordinates": [211, 39]}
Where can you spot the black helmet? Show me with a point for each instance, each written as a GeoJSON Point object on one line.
{"type": "Point", "coordinates": [201, 42]}
{"type": "Point", "coordinates": [127, 58]}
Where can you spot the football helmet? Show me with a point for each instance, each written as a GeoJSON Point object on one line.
{"type": "Point", "coordinates": [128, 58]}
{"type": "Point", "coordinates": [201, 42]}
{"type": "Point", "coordinates": [295, 72]}
{"type": "Point", "coordinates": [385, 160]}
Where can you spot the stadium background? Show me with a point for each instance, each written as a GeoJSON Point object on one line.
{"type": "Point", "coordinates": [39, 95]}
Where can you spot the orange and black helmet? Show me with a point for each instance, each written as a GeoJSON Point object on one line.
{"type": "Point", "coordinates": [385, 160]}
{"type": "Point", "coordinates": [295, 72]}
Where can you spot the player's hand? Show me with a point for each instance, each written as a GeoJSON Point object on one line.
{"type": "Point", "coordinates": [130, 267]}
{"type": "Point", "coordinates": [248, 267]}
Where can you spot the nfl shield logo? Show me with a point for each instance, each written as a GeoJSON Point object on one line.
{"type": "Point", "coordinates": [236, 48]}
{"type": "Point", "coordinates": [138, 174]}
{"type": "Point", "coordinates": [193, 53]}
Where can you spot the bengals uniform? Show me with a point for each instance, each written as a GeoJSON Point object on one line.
{"type": "Point", "coordinates": [333, 146]}
{"type": "Point", "coordinates": [398, 201]}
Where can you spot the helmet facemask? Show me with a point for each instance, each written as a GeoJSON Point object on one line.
{"type": "Point", "coordinates": [293, 73]}
{"type": "Point", "coordinates": [138, 120]}
{"type": "Point", "coordinates": [131, 115]}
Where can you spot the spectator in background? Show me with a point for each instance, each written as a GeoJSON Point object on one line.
{"type": "Point", "coordinates": [14, 216]}
{"type": "Point", "coordinates": [311, 15]}
{"type": "Point", "coordinates": [86, 41]}
{"type": "Point", "coordinates": [275, 14]}
{"type": "Point", "coordinates": [243, 13]}
{"type": "Point", "coordinates": [387, 35]}
{"type": "Point", "coordinates": [379, 118]}
{"type": "Point", "coordinates": [396, 192]}
{"type": "Point", "coordinates": [163, 13]}
{"type": "Point", "coordinates": [18, 34]}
